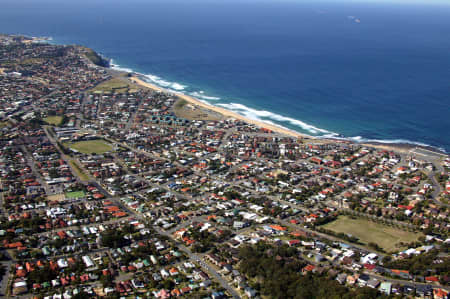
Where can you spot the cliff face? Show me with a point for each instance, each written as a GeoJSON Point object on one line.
{"type": "Point", "coordinates": [96, 58]}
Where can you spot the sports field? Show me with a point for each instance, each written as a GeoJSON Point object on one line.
{"type": "Point", "coordinates": [90, 146]}
{"type": "Point", "coordinates": [115, 85]}
{"type": "Point", "coordinates": [53, 120]}
{"type": "Point", "coordinates": [75, 194]}
{"type": "Point", "coordinates": [56, 197]}
{"type": "Point", "coordinates": [367, 231]}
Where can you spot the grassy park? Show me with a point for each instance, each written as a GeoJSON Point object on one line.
{"type": "Point", "coordinates": [75, 194]}
{"type": "Point", "coordinates": [117, 84]}
{"type": "Point", "coordinates": [97, 146]}
{"type": "Point", "coordinates": [367, 231]}
{"type": "Point", "coordinates": [183, 109]}
{"type": "Point", "coordinates": [53, 120]}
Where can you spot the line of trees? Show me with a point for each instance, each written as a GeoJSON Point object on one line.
{"type": "Point", "coordinates": [275, 272]}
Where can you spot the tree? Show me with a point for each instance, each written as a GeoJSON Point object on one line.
{"type": "Point", "coordinates": [276, 272]}
{"type": "Point", "coordinates": [81, 295]}
{"type": "Point", "coordinates": [106, 280]}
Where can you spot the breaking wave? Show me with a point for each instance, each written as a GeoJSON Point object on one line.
{"type": "Point", "coordinates": [163, 83]}
{"type": "Point", "coordinates": [201, 95]}
{"type": "Point", "coordinates": [117, 67]}
{"type": "Point", "coordinates": [274, 119]}
{"type": "Point", "coordinates": [360, 139]}
{"type": "Point", "coordinates": [394, 141]}
{"type": "Point", "coordinates": [174, 86]}
{"type": "Point", "coordinates": [264, 115]}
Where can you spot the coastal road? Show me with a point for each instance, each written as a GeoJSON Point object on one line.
{"type": "Point", "coordinates": [435, 158]}
{"type": "Point", "coordinates": [436, 189]}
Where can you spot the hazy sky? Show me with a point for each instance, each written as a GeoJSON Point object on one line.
{"type": "Point", "coordinates": [399, 1]}
{"type": "Point", "coordinates": [300, 1]}
{"type": "Point", "coordinates": [430, 2]}
{"type": "Point", "coordinates": [438, 3]}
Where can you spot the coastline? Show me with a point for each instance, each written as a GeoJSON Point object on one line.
{"type": "Point", "coordinates": [407, 148]}
{"type": "Point", "coordinates": [398, 147]}
{"type": "Point", "coordinates": [226, 113]}
{"type": "Point", "coordinates": [402, 146]}
{"type": "Point", "coordinates": [398, 144]}
{"type": "Point", "coordinates": [115, 156]}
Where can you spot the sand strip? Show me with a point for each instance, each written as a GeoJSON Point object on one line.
{"type": "Point", "coordinates": [402, 148]}
{"type": "Point", "coordinates": [223, 111]}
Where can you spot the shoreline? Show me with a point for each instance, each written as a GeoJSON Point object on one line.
{"type": "Point", "coordinates": [226, 113]}
{"type": "Point", "coordinates": [398, 147]}
{"type": "Point", "coordinates": [404, 147]}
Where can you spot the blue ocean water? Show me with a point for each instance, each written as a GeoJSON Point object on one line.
{"type": "Point", "coordinates": [360, 70]}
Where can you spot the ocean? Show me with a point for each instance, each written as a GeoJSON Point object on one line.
{"type": "Point", "coordinates": [365, 71]}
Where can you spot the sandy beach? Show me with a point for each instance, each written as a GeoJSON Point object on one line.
{"type": "Point", "coordinates": [401, 148]}
{"type": "Point", "coordinates": [223, 111]}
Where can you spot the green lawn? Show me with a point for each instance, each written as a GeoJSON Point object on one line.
{"type": "Point", "coordinates": [90, 146]}
{"type": "Point", "coordinates": [367, 231]}
{"type": "Point", "coordinates": [53, 120]}
{"type": "Point", "coordinates": [75, 194]}
{"type": "Point", "coordinates": [115, 85]}
{"type": "Point", "coordinates": [78, 171]}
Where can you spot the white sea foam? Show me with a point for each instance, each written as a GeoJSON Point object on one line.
{"type": "Point", "coordinates": [389, 141]}
{"type": "Point", "coordinates": [174, 86]}
{"type": "Point", "coordinates": [201, 95]}
{"type": "Point", "coordinates": [262, 115]}
{"type": "Point", "coordinates": [117, 67]}
{"type": "Point", "coordinates": [177, 86]}
{"type": "Point", "coordinates": [210, 98]}
{"type": "Point", "coordinates": [394, 141]}
{"type": "Point", "coordinates": [267, 116]}
{"type": "Point", "coordinates": [167, 84]}
{"type": "Point", "coordinates": [360, 139]}
{"type": "Point", "coordinates": [157, 80]}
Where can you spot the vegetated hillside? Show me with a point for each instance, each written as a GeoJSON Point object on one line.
{"type": "Point", "coordinates": [96, 58]}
